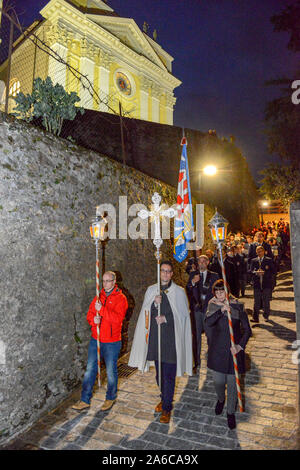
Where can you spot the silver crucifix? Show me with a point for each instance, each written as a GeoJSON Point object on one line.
{"type": "Point", "coordinates": [156, 213]}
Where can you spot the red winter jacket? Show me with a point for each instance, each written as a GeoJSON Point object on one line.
{"type": "Point", "coordinates": [112, 314]}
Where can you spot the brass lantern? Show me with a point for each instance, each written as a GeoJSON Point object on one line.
{"type": "Point", "coordinates": [218, 227]}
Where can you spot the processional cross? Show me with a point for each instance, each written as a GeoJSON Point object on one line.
{"type": "Point", "coordinates": [156, 213]}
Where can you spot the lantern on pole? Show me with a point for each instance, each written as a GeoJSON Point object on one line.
{"type": "Point", "coordinates": [218, 227]}
{"type": "Point", "coordinates": [98, 234]}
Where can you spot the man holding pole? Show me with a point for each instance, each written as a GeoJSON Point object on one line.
{"type": "Point", "coordinates": [106, 313]}
{"type": "Point", "coordinates": [176, 337]}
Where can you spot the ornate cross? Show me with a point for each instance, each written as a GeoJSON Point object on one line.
{"type": "Point", "coordinates": [157, 212]}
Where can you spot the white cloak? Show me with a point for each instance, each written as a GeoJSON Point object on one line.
{"type": "Point", "coordinates": [182, 326]}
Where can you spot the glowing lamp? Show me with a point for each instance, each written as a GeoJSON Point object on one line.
{"type": "Point", "coordinates": [210, 170]}
{"type": "Point", "coordinates": [218, 228]}
{"type": "Point", "coordinates": [97, 229]}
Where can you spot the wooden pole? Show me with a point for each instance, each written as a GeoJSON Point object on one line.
{"type": "Point", "coordinates": [122, 134]}
{"type": "Point", "coordinates": [11, 38]}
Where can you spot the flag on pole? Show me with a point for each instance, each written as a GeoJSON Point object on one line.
{"type": "Point", "coordinates": [183, 225]}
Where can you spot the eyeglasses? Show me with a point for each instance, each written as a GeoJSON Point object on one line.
{"type": "Point", "coordinates": [166, 271]}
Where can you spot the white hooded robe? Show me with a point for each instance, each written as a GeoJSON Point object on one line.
{"type": "Point", "coordinates": [182, 326]}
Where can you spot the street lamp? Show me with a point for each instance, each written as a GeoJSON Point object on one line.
{"type": "Point", "coordinates": [218, 227]}
{"type": "Point", "coordinates": [210, 170]}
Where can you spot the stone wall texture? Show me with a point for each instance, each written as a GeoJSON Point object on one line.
{"type": "Point", "coordinates": [49, 189]}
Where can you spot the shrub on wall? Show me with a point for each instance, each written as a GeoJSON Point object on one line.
{"type": "Point", "coordinates": [49, 102]}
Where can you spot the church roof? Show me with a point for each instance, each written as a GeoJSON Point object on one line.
{"type": "Point", "coordinates": [93, 11]}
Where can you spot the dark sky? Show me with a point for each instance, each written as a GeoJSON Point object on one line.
{"type": "Point", "coordinates": [224, 51]}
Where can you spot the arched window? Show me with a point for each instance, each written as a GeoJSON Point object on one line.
{"type": "Point", "coordinates": [14, 87]}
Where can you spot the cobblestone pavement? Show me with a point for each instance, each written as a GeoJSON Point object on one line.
{"type": "Point", "coordinates": [269, 420]}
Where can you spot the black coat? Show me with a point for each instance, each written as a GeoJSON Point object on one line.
{"type": "Point", "coordinates": [269, 269]}
{"type": "Point", "coordinates": [219, 355]}
{"type": "Point", "coordinates": [232, 275]}
{"type": "Point", "coordinates": [252, 251]}
{"type": "Point", "coordinates": [214, 266]}
{"type": "Point", "coordinates": [194, 292]}
{"type": "Point", "coordinates": [240, 264]}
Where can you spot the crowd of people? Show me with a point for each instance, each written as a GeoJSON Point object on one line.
{"type": "Point", "coordinates": [171, 322]}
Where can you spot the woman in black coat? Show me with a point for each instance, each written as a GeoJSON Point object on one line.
{"type": "Point", "coordinates": [220, 352]}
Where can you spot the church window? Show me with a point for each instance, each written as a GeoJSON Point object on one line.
{"type": "Point", "coordinates": [124, 84]}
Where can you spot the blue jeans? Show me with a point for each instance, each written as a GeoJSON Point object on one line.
{"type": "Point", "coordinates": [110, 353]}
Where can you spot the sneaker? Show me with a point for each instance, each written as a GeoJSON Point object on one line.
{"type": "Point", "coordinates": [80, 406]}
{"type": "Point", "coordinates": [231, 421]}
{"type": "Point", "coordinates": [158, 408]}
{"type": "Point", "coordinates": [219, 407]}
{"type": "Point", "coordinates": [165, 417]}
{"type": "Point", "coordinates": [107, 405]}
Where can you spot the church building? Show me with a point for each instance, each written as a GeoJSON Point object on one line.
{"type": "Point", "coordinates": [122, 62]}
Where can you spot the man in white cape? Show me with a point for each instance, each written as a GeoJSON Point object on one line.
{"type": "Point", "coordinates": [176, 337]}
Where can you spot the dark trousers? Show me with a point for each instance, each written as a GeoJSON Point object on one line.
{"type": "Point", "coordinates": [168, 376]}
{"type": "Point", "coordinates": [198, 328]}
{"type": "Point", "coordinates": [262, 300]}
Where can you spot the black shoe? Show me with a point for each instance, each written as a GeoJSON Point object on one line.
{"type": "Point", "coordinates": [255, 319]}
{"type": "Point", "coordinates": [266, 317]}
{"type": "Point", "coordinates": [231, 421]}
{"type": "Point", "coordinates": [219, 407]}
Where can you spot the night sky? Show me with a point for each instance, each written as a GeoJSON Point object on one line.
{"type": "Point", "coordinates": [224, 51]}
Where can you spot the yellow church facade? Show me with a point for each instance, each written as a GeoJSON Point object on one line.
{"type": "Point", "coordinates": [118, 62]}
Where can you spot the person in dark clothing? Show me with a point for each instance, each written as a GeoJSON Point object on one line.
{"type": "Point", "coordinates": [262, 269]}
{"type": "Point", "coordinates": [241, 269]}
{"type": "Point", "coordinates": [199, 289]}
{"type": "Point", "coordinates": [244, 272]}
{"type": "Point", "coordinates": [231, 272]}
{"type": "Point", "coordinates": [258, 241]}
{"type": "Point", "coordinates": [220, 351]}
{"type": "Point", "coordinates": [214, 264]}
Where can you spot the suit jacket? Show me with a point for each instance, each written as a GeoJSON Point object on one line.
{"type": "Point", "coordinates": [197, 291]}
{"type": "Point", "coordinates": [269, 269]}
{"type": "Point", "coordinates": [252, 251]}
{"type": "Point", "coordinates": [215, 266]}
{"type": "Point", "coordinates": [240, 265]}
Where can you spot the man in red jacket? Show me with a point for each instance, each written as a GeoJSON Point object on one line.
{"type": "Point", "coordinates": [109, 313]}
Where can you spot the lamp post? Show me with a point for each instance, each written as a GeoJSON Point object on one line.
{"type": "Point", "coordinates": [98, 234]}
{"type": "Point", "coordinates": [218, 227]}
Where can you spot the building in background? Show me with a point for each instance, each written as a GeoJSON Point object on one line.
{"type": "Point", "coordinates": [121, 63]}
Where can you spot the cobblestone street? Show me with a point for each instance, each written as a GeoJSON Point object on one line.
{"type": "Point", "coordinates": [270, 391]}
